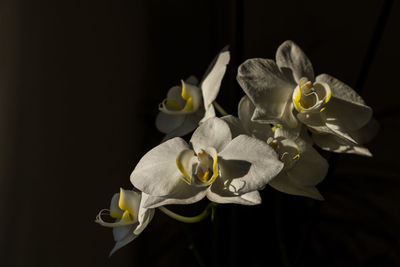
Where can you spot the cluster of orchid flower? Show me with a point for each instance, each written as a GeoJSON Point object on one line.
{"type": "Point", "coordinates": [285, 112]}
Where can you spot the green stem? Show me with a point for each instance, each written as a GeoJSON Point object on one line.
{"type": "Point", "coordinates": [220, 109]}
{"type": "Point", "coordinates": [193, 219]}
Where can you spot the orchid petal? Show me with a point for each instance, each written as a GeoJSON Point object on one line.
{"type": "Point", "coordinates": [367, 132]}
{"type": "Point", "coordinates": [192, 80]}
{"type": "Point", "coordinates": [335, 144]}
{"type": "Point", "coordinates": [348, 115]}
{"type": "Point", "coordinates": [285, 184]}
{"type": "Point", "coordinates": [288, 118]}
{"type": "Point", "coordinates": [211, 83]}
{"type": "Point", "coordinates": [317, 123]}
{"type": "Point", "coordinates": [166, 123]}
{"type": "Point", "coordinates": [154, 202]}
{"type": "Point", "coordinates": [145, 215]}
{"type": "Point", "coordinates": [122, 235]}
{"type": "Point", "coordinates": [267, 87]}
{"type": "Point", "coordinates": [211, 133]}
{"type": "Point", "coordinates": [340, 89]}
{"type": "Point", "coordinates": [251, 198]}
{"type": "Point", "coordinates": [157, 174]}
{"type": "Point", "coordinates": [290, 56]}
{"type": "Point", "coordinates": [209, 113]}
{"type": "Point", "coordinates": [248, 164]}
{"type": "Point", "coordinates": [235, 125]}
{"type": "Point", "coordinates": [258, 130]}
{"type": "Point", "coordinates": [115, 211]}
{"type": "Point", "coordinates": [310, 169]}
{"type": "Point", "coordinates": [189, 124]}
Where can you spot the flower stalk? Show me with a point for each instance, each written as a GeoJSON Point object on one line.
{"type": "Point", "coordinates": [220, 109]}
{"type": "Point", "coordinates": [195, 219]}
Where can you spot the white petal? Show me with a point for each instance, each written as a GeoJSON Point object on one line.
{"type": "Point", "coordinates": [340, 89]}
{"type": "Point", "coordinates": [247, 164]}
{"type": "Point", "coordinates": [366, 133]}
{"type": "Point", "coordinates": [192, 80]}
{"type": "Point", "coordinates": [310, 169]}
{"type": "Point", "coordinates": [188, 125]}
{"type": "Point", "coordinates": [335, 144]}
{"type": "Point", "coordinates": [125, 235]}
{"type": "Point", "coordinates": [284, 184]}
{"type": "Point", "coordinates": [349, 116]}
{"type": "Point", "coordinates": [288, 118]}
{"type": "Point", "coordinates": [251, 198]}
{"type": "Point", "coordinates": [195, 93]}
{"type": "Point", "coordinates": [115, 211]}
{"type": "Point", "coordinates": [121, 232]}
{"type": "Point", "coordinates": [258, 130]}
{"type": "Point", "coordinates": [166, 123]}
{"type": "Point", "coordinates": [145, 215]}
{"type": "Point", "coordinates": [209, 113]}
{"type": "Point", "coordinates": [317, 123]}
{"type": "Point", "coordinates": [290, 56]}
{"type": "Point", "coordinates": [235, 125]}
{"type": "Point", "coordinates": [291, 133]}
{"type": "Point", "coordinates": [211, 83]}
{"type": "Point", "coordinates": [267, 87]}
{"type": "Point", "coordinates": [157, 174]}
{"type": "Point", "coordinates": [211, 133]}
{"type": "Point", "coordinates": [154, 202]}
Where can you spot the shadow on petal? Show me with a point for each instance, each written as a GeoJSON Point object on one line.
{"type": "Point", "coordinates": [232, 168]}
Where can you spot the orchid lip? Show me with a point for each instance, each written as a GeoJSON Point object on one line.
{"type": "Point", "coordinates": [187, 102]}
{"type": "Point", "coordinates": [311, 97]}
{"type": "Point", "coordinates": [288, 151]}
{"type": "Point", "coordinates": [202, 170]}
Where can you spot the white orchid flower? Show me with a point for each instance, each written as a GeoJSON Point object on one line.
{"type": "Point", "coordinates": [328, 107]}
{"type": "Point", "coordinates": [303, 168]}
{"type": "Point", "coordinates": [130, 217]}
{"type": "Point", "coordinates": [220, 164]}
{"type": "Point", "coordinates": [191, 103]}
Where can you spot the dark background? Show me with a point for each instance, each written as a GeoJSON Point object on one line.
{"type": "Point", "coordinates": [80, 82]}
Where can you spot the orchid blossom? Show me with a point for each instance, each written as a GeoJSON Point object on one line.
{"type": "Point", "coordinates": [303, 167]}
{"type": "Point", "coordinates": [286, 92]}
{"type": "Point", "coordinates": [219, 163]}
{"type": "Point", "coordinates": [192, 102]}
{"type": "Point", "coordinates": [129, 215]}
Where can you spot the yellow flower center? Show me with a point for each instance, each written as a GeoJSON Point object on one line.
{"type": "Point", "coordinates": [309, 97]}
{"type": "Point", "coordinates": [128, 214]}
{"type": "Point", "coordinates": [203, 172]}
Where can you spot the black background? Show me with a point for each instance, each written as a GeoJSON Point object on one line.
{"type": "Point", "coordinates": [80, 82]}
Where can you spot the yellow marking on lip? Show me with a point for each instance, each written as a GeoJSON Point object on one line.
{"type": "Point", "coordinates": [187, 97]}
{"type": "Point", "coordinates": [215, 170]}
{"type": "Point", "coordinates": [128, 214]}
{"type": "Point", "coordinates": [297, 98]}
{"type": "Point", "coordinates": [328, 97]}
{"type": "Point", "coordinates": [203, 176]}
{"type": "Point", "coordinates": [181, 168]}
